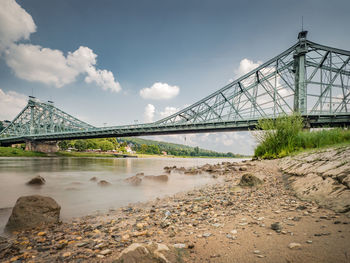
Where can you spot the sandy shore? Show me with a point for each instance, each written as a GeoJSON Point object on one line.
{"type": "Point", "coordinates": [215, 223]}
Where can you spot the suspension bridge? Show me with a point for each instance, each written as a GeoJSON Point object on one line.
{"type": "Point", "coordinates": [308, 78]}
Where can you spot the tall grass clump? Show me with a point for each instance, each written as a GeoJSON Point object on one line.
{"type": "Point", "coordinates": [284, 135]}
{"type": "Point", "coordinates": [277, 136]}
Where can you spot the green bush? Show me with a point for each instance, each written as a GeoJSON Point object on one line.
{"type": "Point", "coordinates": [277, 137]}
{"type": "Point", "coordinates": [284, 135]}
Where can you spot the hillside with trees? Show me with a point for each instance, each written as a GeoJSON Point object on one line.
{"type": "Point", "coordinates": [140, 146]}
{"type": "Point", "coordinates": [157, 147]}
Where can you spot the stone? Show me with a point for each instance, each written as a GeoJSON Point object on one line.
{"type": "Point", "coordinates": [93, 179]}
{"type": "Point", "coordinates": [37, 180]}
{"type": "Point", "coordinates": [134, 180]}
{"type": "Point", "coordinates": [106, 252]}
{"type": "Point", "coordinates": [32, 211]}
{"type": "Point", "coordinates": [249, 180]}
{"type": "Point", "coordinates": [294, 245]}
{"type": "Point", "coordinates": [103, 183]}
{"type": "Point", "coordinates": [243, 168]}
{"type": "Point", "coordinates": [151, 253]}
{"type": "Point", "coordinates": [276, 226]}
{"type": "Point", "coordinates": [180, 245]}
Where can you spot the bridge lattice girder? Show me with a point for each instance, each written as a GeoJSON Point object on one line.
{"type": "Point", "coordinates": [42, 118]}
{"type": "Point", "coordinates": [308, 78]}
{"type": "Point", "coordinates": [279, 86]}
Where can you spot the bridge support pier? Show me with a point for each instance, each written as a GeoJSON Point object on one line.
{"type": "Point", "coordinates": [46, 147]}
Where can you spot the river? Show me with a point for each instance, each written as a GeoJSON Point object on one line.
{"type": "Point", "coordinates": [68, 181]}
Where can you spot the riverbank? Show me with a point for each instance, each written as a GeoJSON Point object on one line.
{"type": "Point", "coordinates": [223, 222]}
{"type": "Point", "coordinates": [16, 152]}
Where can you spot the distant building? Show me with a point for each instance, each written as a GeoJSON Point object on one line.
{"type": "Point", "coordinates": [129, 150]}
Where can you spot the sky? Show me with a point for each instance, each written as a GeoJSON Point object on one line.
{"type": "Point", "coordinates": [111, 62]}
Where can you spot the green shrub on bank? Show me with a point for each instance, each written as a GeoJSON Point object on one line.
{"type": "Point", "coordinates": [277, 137]}
{"type": "Point", "coordinates": [14, 152]}
{"type": "Point", "coordinates": [284, 135]}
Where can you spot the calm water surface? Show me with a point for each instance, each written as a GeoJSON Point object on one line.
{"type": "Point", "coordinates": [68, 181]}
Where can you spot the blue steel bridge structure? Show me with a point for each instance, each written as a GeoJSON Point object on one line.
{"type": "Point", "coordinates": [308, 78]}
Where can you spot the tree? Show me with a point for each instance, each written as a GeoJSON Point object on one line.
{"type": "Point", "coordinates": [196, 150]}
{"type": "Point", "coordinates": [106, 146]}
{"type": "Point", "coordinates": [80, 145]}
{"type": "Point", "coordinates": [64, 145]}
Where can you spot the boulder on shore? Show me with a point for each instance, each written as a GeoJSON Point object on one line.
{"type": "Point", "coordinates": [249, 180]}
{"type": "Point", "coordinates": [32, 211]}
{"type": "Point", "coordinates": [37, 180]}
{"type": "Point", "coordinates": [93, 179]}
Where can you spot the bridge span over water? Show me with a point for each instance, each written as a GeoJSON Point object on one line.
{"type": "Point", "coordinates": [308, 78]}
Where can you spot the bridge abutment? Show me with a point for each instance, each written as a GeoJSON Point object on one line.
{"type": "Point", "coordinates": [46, 147]}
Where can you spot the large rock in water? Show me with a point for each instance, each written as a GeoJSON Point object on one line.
{"type": "Point", "coordinates": [249, 180]}
{"type": "Point", "coordinates": [37, 180]}
{"type": "Point", "coordinates": [32, 211]}
{"type": "Point", "coordinates": [134, 180]}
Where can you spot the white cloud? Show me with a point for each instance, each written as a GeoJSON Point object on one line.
{"type": "Point", "coordinates": [160, 91]}
{"type": "Point", "coordinates": [15, 23]}
{"type": "Point", "coordinates": [149, 113]}
{"type": "Point", "coordinates": [103, 78]}
{"type": "Point", "coordinates": [11, 103]}
{"type": "Point", "coordinates": [246, 66]}
{"type": "Point", "coordinates": [168, 111]}
{"type": "Point", "coordinates": [34, 63]}
{"type": "Point", "coordinates": [38, 64]}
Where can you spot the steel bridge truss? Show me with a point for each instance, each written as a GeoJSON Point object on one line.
{"type": "Point", "coordinates": [42, 118]}
{"type": "Point", "coordinates": [308, 78]}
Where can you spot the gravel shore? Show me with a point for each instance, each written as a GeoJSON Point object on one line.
{"type": "Point", "coordinates": [223, 222]}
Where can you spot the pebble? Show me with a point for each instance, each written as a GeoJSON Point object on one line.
{"type": "Point", "coordinates": [106, 252]}
{"type": "Point", "coordinates": [180, 245]}
{"type": "Point", "coordinates": [206, 235]}
{"type": "Point", "coordinates": [277, 226]}
{"type": "Point", "coordinates": [234, 231]}
{"type": "Point", "coordinates": [294, 245]}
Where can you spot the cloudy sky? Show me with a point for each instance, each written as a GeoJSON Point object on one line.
{"type": "Point", "coordinates": [114, 62]}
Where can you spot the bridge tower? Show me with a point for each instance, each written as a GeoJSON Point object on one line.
{"type": "Point", "coordinates": [300, 101]}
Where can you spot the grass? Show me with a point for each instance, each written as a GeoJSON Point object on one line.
{"type": "Point", "coordinates": [284, 136]}
{"type": "Point", "coordinates": [16, 152]}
